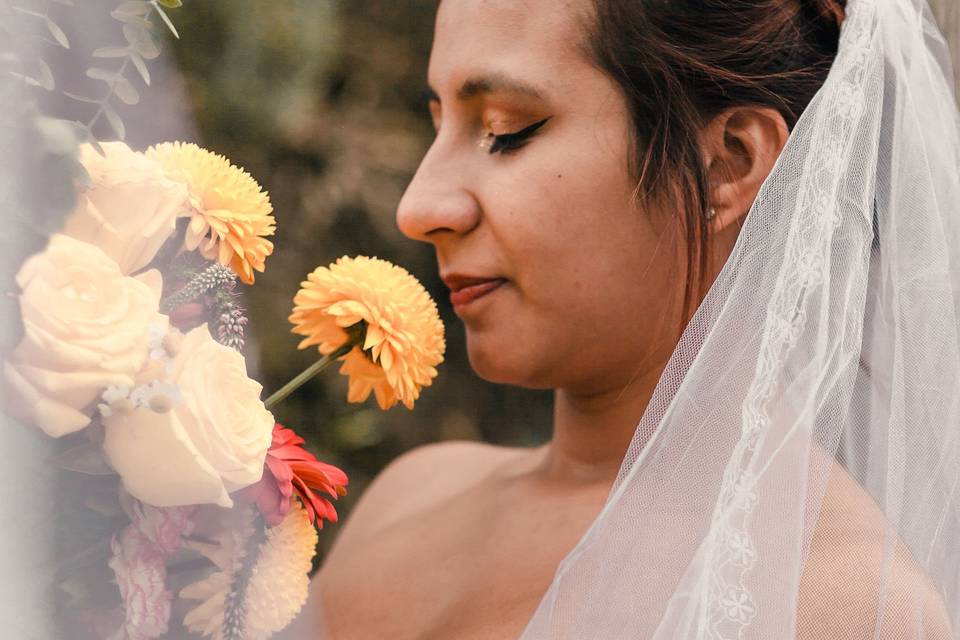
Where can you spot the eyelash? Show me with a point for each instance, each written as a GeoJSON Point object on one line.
{"type": "Point", "coordinates": [510, 142]}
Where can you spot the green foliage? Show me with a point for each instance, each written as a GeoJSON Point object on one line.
{"type": "Point", "coordinates": [142, 44]}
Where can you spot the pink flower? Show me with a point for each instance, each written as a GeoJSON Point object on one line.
{"type": "Point", "coordinates": [164, 527]}
{"type": "Point", "coordinates": [140, 554]}
{"type": "Point", "coordinates": [290, 468]}
{"type": "Point", "coordinates": [140, 567]}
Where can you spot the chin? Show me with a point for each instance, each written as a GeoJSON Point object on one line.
{"type": "Point", "coordinates": [506, 365]}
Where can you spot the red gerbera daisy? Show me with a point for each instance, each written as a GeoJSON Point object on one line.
{"type": "Point", "coordinates": [290, 468]}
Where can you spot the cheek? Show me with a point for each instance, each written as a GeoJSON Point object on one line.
{"type": "Point", "coordinates": [592, 280]}
{"type": "Point", "coordinates": [581, 240]}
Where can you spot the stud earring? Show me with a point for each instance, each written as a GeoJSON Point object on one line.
{"type": "Point", "coordinates": [711, 212]}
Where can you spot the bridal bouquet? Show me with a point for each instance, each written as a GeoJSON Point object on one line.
{"type": "Point", "coordinates": [199, 503]}
{"type": "Point", "coordinates": [181, 507]}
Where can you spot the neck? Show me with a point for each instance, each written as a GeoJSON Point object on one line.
{"type": "Point", "coordinates": [592, 431]}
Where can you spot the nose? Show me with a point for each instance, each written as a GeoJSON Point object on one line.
{"type": "Point", "coordinates": [438, 202]}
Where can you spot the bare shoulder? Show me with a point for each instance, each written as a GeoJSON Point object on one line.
{"type": "Point", "coordinates": [840, 597]}
{"type": "Point", "coordinates": [855, 559]}
{"type": "Point", "coordinates": [416, 480]}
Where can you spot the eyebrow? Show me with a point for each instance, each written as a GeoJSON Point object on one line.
{"type": "Point", "coordinates": [482, 85]}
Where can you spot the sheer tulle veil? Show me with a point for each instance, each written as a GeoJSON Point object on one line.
{"type": "Point", "coordinates": [799, 462]}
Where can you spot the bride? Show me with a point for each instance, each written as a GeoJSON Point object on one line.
{"type": "Point", "coordinates": [755, 421]}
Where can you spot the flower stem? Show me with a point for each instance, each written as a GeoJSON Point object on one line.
{"type": "Point", "coordinates": [307, 374]}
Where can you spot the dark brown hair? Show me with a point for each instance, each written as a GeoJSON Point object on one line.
{"type": "Point", "coordinates": [681, 62]}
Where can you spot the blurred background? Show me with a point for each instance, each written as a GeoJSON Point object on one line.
{"type": "Point", "coordinates": [320, 100]}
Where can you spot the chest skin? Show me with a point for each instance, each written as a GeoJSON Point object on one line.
{"type": "Point", "coordinates": [473, 565]}
{"type": "Point", "coordinates": [473, 562]}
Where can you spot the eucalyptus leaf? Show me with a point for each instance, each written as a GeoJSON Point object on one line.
{"type": "Point", "coordinates": [86, 458]}
{"type": "Point", "coordinates": [168, 22]}
{"type": "Point", "coordinates": [113, 118]}
{"type": "Point", "coordinates": [46, 76]}
{"type": "Point", "coordinates": [58, 135]}
{"type": "Point", "coordinates": [32, 82]}
{"type": "Point", "coordinates": [84, 134]}
{"type": "Point", "coordinates": [57, 33]}
{"type": "Point", "coordinates": [99, 73]}
{"type": "Point", "coordinates": [80, 130]}
{"type": "Point", "coordinates": [125, 91]}
{"type": "Point", "coordinates": [79, 98]}
{"type": "Point", "coordinates": [137, 21]}
{"type": "Point", "coordinates": [141, 41]}
{"type": "Point", "coordinates": [132, 8]}
{"type": "Point", "coordinates": [28, 12]}
{"type": "Point", "coordinates": [141, 67]}
{"type": "Point", "coordinates": [98, 148]}
{"type": "Point", "coordinates": [111, 52]}
{"type": "Point", "coordinates": [171, 4]}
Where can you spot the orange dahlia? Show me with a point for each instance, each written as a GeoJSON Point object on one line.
{"type": "Point", "coordinates": [387, 313]}
{"type": "Point", "coordinates": [231, 216]}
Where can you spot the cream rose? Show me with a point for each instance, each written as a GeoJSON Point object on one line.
{"type": "Point", "coordinates": [209, 444]}
{"type": "Point", "coordinates": [130, 209]}
{"type": "Point", "coordinates": [86, 327]}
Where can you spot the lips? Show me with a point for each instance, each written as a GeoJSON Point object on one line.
{"type": "Point", "coordinates": [465, 289]}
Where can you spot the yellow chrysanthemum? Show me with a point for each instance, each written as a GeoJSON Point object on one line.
{"type": "Point", "coordinates": [232, 214]}
{"type": "Point", "coordinates": [404, 335]}
{"type": "Point", "coordinates": [277, 586]}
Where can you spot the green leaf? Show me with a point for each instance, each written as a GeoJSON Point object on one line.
{"type": "Point", "coordinates": [171, 4]}
{"type": "Point", "coordinates": [111, 52]}
{"type": "Point", "coordinates": [113, 118]}
{"type": "Point", "coordinates": [141, 67]}
{"type": "Point", "coordinates": [141, 41]}
{"type": "Point", "coordinates": [166, 20]}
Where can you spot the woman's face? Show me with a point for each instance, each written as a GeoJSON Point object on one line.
{"type": "Point", "coordinates": [590, 281]}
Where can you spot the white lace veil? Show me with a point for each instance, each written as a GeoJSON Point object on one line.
{"type": "Point", "coordinates": [832, 333]}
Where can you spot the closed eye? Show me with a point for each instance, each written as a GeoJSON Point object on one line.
{"type": "Point", "coordinates": [509, 142]}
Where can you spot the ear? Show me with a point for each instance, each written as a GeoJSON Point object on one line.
{"type": "Point", "coordinates": [740, 147]}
